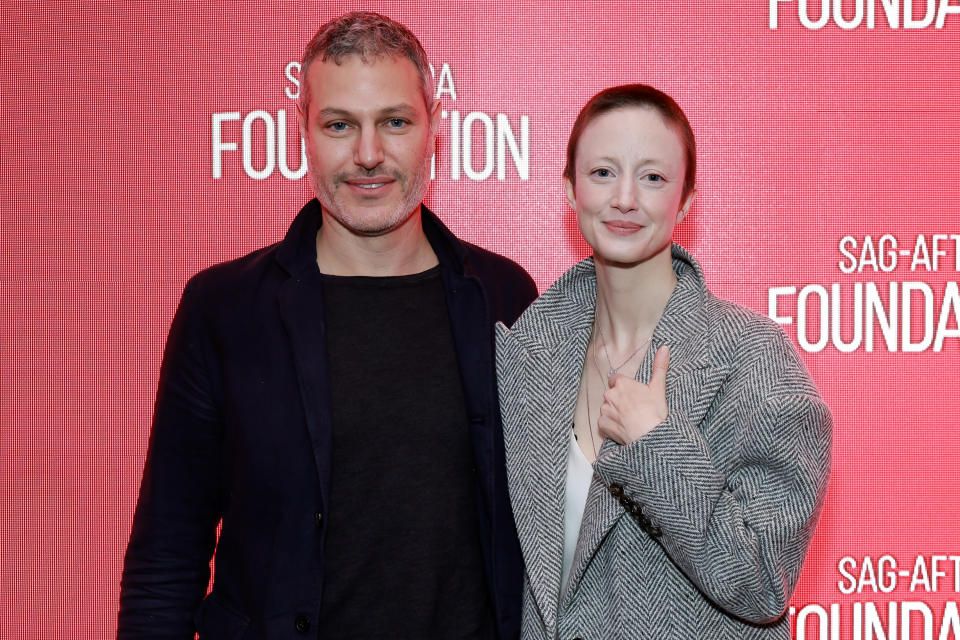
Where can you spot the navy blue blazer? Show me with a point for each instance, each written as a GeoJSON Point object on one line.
{"type": "Point", "coordinates": [242, 433]}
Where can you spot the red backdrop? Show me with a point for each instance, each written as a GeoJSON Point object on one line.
{"type": "Point", "coordinates": [143, 142]}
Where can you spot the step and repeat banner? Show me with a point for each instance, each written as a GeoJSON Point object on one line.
{"type": "Point", "coordinates": [145, 141]}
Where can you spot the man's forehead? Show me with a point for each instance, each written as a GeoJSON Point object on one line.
{"type": "Point", "coordinates": [384, 82]}
{"type": "Point", "coordinates": [364, 57]}
{"type": "Point", "coordinates": [358, 62]}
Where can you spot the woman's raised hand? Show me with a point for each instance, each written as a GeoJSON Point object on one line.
{"type": "Point", "coordinates": [631, 409]}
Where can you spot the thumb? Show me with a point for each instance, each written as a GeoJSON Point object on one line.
{"type": "Point", "coordinates": [658, 378]}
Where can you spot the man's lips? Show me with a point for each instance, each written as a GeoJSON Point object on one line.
{"type": "Point", "coordinates": [370, 186]}
{"type": "Point", "coordinates": [622, 227]}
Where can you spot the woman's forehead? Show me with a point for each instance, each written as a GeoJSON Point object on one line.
{"type": "Point", "coordinates": [631, 131]}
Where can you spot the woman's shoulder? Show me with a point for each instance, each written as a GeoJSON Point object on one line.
{"type": "Point", "coordinates": [727, 316]}
{"type": "Point", "coordinates": [566, 302]}
{"type": "Point", "coordinates": [741, 338]}
{"type": "Point", "coordinates": [728, 321]}
{"type": "Point", "coordinates": [754, 346]}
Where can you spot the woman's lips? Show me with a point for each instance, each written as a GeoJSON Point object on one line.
{"type": "Point", "coordinates": [621, 227]}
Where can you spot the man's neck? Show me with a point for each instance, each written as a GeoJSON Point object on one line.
{"type": "Point", "coordinates": [401, 251]}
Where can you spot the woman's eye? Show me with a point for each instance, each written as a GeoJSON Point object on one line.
{"type": "Point", "coordinates": [654, 177]}
{"type": "Point", "coordinates": [602, 173]}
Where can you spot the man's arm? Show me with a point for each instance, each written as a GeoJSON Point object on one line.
{"type": "Point", "coordinates": [166, 567]}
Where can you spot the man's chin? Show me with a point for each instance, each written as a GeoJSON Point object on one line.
{"type": "Point", "coordinates": [370, 224]}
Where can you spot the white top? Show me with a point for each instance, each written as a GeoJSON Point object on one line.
{"type": "Point", "coordinates": [579, 476]}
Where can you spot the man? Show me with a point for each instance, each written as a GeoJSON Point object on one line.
{"type": "Point", "coordinates": [332, 397]}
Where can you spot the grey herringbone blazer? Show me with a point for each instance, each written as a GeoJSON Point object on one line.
{"type": "Point", "coordinates": [718, 503]}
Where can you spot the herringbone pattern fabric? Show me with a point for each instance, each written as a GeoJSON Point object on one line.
{"type": "Point", "coordinates": [734, 477]}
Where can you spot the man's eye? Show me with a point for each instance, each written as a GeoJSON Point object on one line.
{"type": "Point", "coordinates": [338, 126]}
{"type": "Point", "coordinates": [397, 123]}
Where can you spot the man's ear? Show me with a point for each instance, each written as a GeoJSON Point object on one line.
{"type": "Point", "coordinates": [435, 118]}
{"type": "Point", "coordinates": [301, 120]}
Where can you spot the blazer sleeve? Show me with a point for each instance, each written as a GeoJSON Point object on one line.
{"type": "Point", "coordinates": [741, 533]}
{"type": "Point", "coordinates": [166, 566]}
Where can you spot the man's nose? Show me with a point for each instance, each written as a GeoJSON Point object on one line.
{"type": "Point", "coordinates": [369, 150]}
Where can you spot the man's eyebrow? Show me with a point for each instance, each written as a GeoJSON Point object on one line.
{"type": "Point", "coordinates": [395, 109]}
{"type": "Point", "coordinates": [402, 108]}
{"type": "Point", "coordinates": [333, 112]}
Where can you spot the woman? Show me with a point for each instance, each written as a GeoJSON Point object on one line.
{"type": "Point", "coordinates": [680, 507]}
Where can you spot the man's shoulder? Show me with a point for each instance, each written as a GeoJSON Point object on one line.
{"type": "Point", "coordinates": [488, 263]}
{"type": "Point", "coordinates": [492, 269]}
{"type": "Point", "coordinates": [506, 284]}
{"type": "Point", "coordinates": [266, 264]}
{"type": "Point", "coordinates": [238, 275]}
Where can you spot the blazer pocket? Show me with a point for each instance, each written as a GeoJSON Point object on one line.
{"type": "Point", "coordinates": [217, 620]}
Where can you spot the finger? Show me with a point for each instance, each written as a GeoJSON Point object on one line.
{"type": "Point", "coordinates": [612, 380]}
{"type": "Point", "coordinates": [658, 378]}
{"type": "Point", "coordinates": [609, 400]}
{"type": "Point", "coordinates": [607, 428]}
{"type": "Point", "coordinates": [609, 410]}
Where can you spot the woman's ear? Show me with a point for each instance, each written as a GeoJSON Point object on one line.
{"type": "Point", "coordinates": [571, 196]}
{"type": "Point", "coordinates": [687, 203]}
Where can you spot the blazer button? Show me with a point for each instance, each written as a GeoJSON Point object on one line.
{"type": "Point", "coordinates": [318, 519]}
{"type": "Point", "coordinates": [301, 623]}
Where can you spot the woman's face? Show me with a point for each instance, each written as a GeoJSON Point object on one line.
{"type": "Point", "coordinates": [630, 169]}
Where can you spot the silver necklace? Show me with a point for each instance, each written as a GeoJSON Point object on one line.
{"type": "Point", "coordinates": [593, 443]}
{"type": "Point", "coordinates": [586, 392]}
{"type": "Point", "coordinates": [599, 368]}
{"type": "Point", "coordinates": [603, 343]}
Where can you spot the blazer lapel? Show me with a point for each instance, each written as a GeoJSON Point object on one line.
{"type": "Point", "coordinates": [300, 302]}
{"type": "Point", "coordinates": [534, 456]}
{"type": "Point", "coordinates": [301, 306]}
{"type": "Point", "coordinates": [600, 513]}
{"type": "Point", "coordinates": [693, 377]}
{"type": "Point", "coordinates": [539, 382]}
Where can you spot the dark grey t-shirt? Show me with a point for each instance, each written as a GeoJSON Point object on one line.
{"type": "Point", "coordinates": [403, 556]}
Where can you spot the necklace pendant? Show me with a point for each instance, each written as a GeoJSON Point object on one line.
{"type": "Point", "coordinates": [611, 373]}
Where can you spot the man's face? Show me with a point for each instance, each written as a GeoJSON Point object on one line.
{"type": "Point", "coordinates": [369, 140]}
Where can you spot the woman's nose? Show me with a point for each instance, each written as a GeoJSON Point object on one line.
{"type": "Point", "coordinates": [625, 197]}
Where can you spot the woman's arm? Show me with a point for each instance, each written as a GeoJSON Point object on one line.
{"type": "Point", "coordinates": [740, 534]}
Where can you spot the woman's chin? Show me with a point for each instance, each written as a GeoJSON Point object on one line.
{"type": "Point", "coordinates": [625, 257]}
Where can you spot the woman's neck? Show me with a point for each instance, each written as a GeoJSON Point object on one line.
{"type": "Point", "coordinates": [631, 299]}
